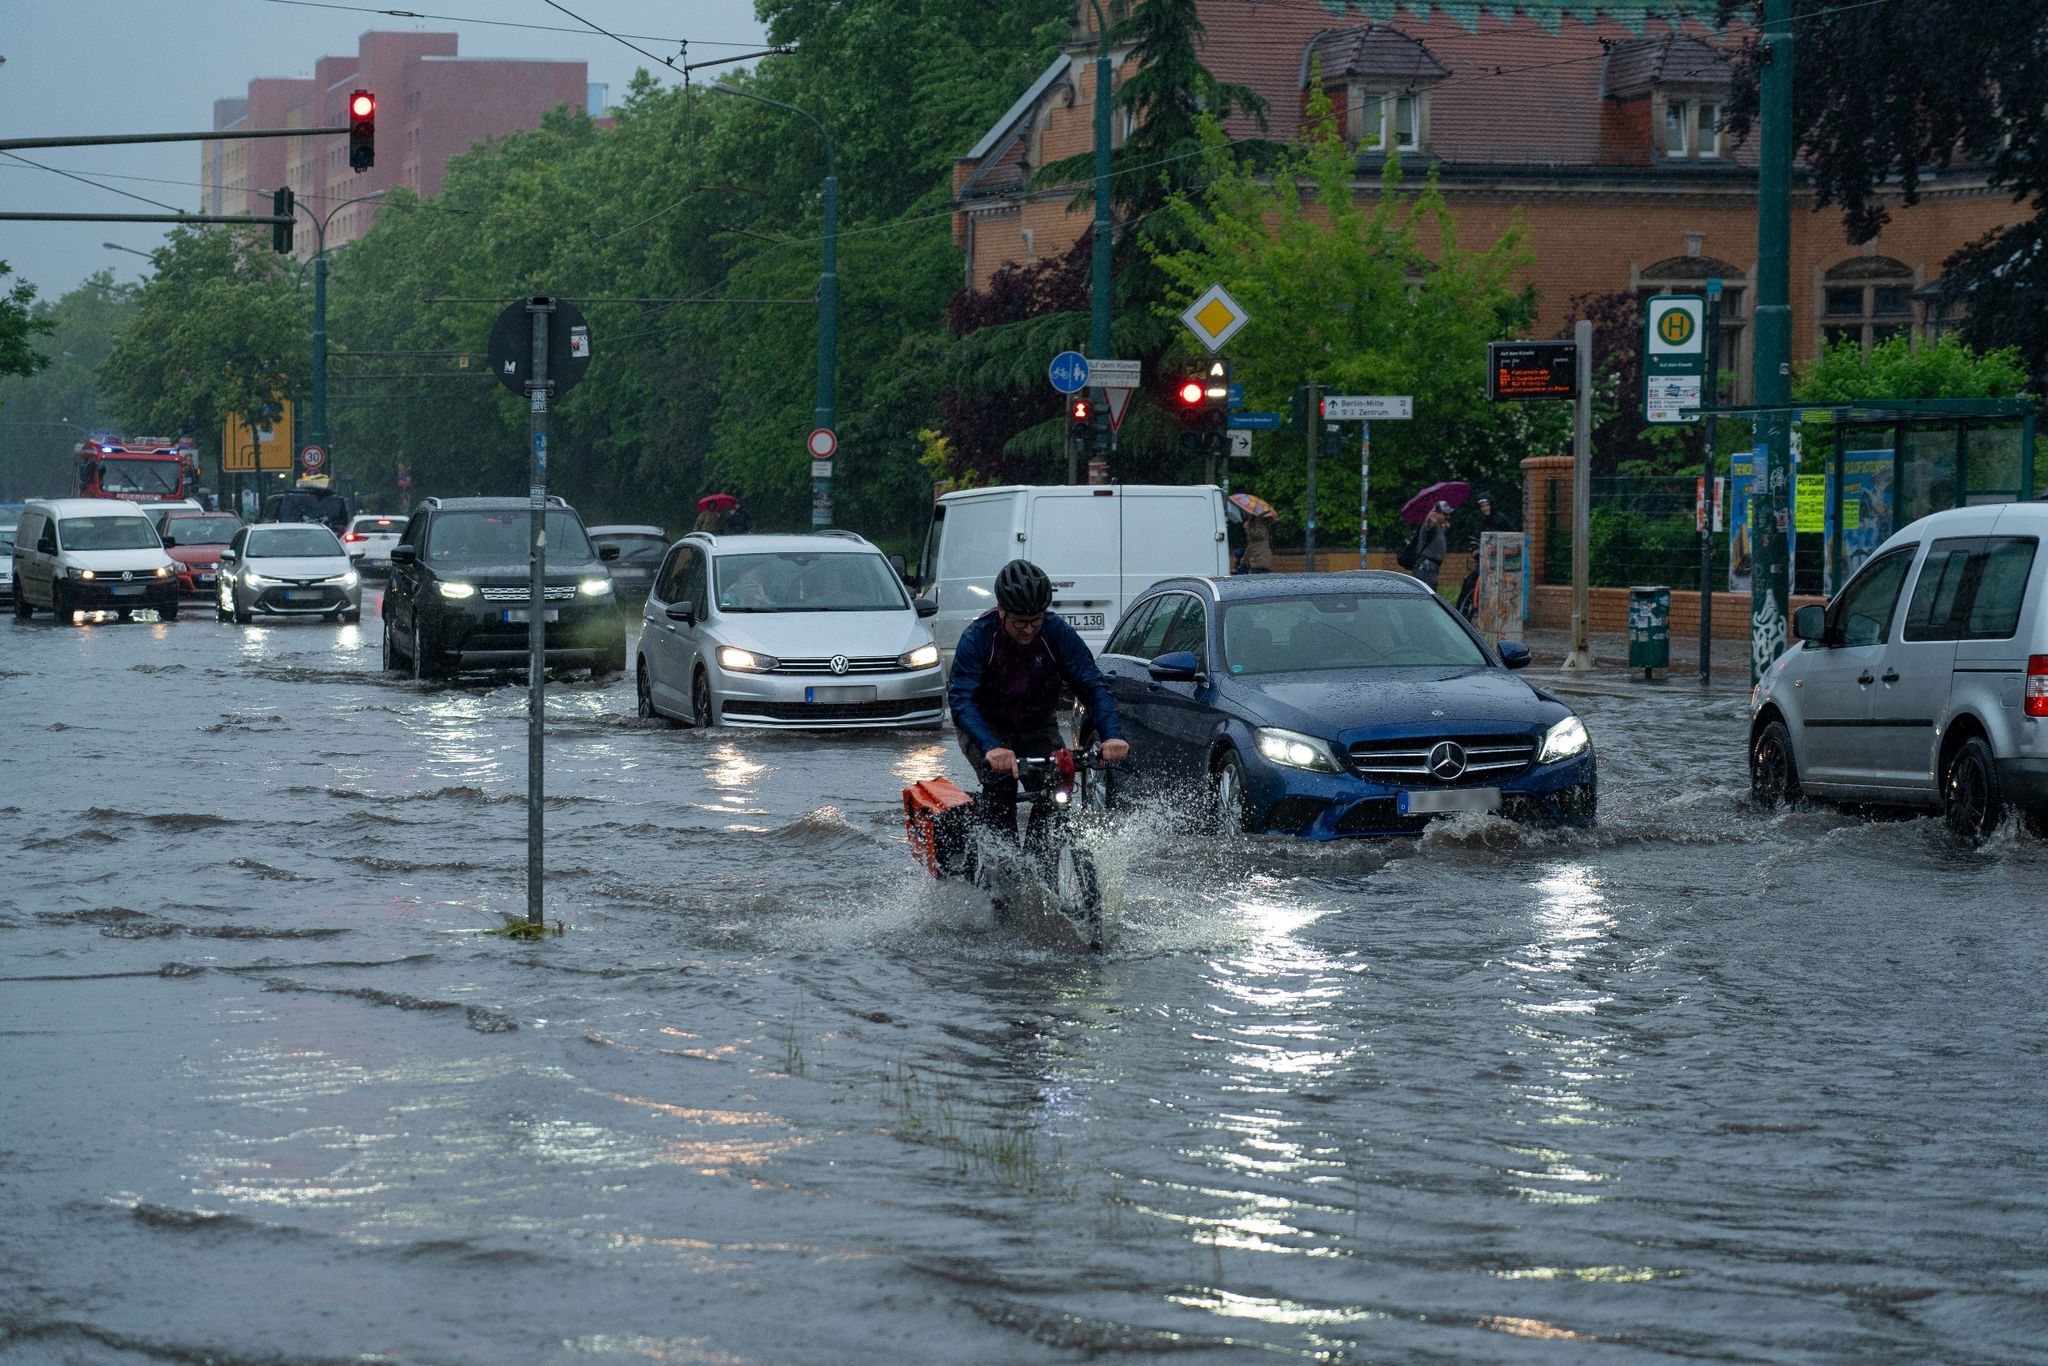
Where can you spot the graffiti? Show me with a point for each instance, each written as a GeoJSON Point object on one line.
{"type": "Point", "coordinates": [1767, 635]}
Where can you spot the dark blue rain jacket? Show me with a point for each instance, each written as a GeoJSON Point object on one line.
{"type": "Point", "coordinates": [998, 684]}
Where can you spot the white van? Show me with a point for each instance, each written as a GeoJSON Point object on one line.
{"type": "Point", "coordinates": [91, 554]}
{"type": "Point", "coordinates": [1103, 545]}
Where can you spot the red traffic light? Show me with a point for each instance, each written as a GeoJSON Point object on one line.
{"type": "Point", "coordinates": [1079, 410]}
{"type": "Point", "coordinates": [362, 130]}
{"type": "Point", "coordinates": [362, 104]}
{"type": "Point", "coordinates": [1191, 392]}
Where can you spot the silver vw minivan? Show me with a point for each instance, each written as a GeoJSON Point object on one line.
{"type": "Point", "coordinates": [1924, 682]}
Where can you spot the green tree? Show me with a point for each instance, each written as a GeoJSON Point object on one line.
{"type": "Point", "coordinates": [217, 330]}
{"type": "Point", "coordinates": [19, 327]}
{"type": "Point", "coordinates": [1375, 297]}
{"type": "Point", "coordinates": [43, 416]}
{"type": "Point", "coordinates": [1948, 368]}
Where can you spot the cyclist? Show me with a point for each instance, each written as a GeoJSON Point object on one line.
{"type": "Point", "coordinates": [1005, 688]}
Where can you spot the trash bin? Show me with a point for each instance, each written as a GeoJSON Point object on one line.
{"type": "Point", "coordinates": [1649, 628]}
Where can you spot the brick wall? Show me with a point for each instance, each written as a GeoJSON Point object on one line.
{"type": "Point", "coordinates": [1539, 472]}
{"type": "Point", "coordinates": [1550, 606]}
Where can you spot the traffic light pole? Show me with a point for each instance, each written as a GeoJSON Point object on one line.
{"type": "Point", "coordinates": [538, 390]}
{"type": "Point", "coordinates": [1315, 448]}
{"type": "Point", "coordinates": [1772, 377]}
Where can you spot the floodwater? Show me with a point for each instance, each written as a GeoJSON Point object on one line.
{"type": "Point", "coordinates": [1702, 1083]}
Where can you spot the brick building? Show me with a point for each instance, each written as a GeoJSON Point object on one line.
{"type": "Point", "coordinates": [431, 104]}
{"type": "Point", "coordinates": [1606, 140]}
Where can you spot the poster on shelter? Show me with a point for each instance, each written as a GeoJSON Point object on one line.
{"type": "Point", "coordinates": [1866, 511]}
{"type": "Point", "coordinates": [1741, 474]}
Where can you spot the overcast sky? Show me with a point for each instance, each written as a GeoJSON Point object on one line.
{"type": "Point", "coordinates": [157, 66]}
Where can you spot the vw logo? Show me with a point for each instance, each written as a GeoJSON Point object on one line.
{"type": "Point", "coordinates": [1447, 760]}
{"type": "Point", "coordinates": [127, 576]}
{"type": "Point", "coordinates": [840, 664]}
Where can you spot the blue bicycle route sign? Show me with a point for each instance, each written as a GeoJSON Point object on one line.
{"type": "Point", "coordinates": [1068, 372]}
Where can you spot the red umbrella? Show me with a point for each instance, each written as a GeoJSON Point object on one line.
{"type": "Point", "coordinates": [1453, 492]}
{"type": "Point", "coordinates": [717, 502]}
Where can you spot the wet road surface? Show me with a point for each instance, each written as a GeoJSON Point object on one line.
{"type": "Point", "coordinates": [1702, 1083]}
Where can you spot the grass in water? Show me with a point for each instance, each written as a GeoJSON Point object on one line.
{"type": "Point", "coordinates": [1008, 1153]}
{"type": "Point", "coordinates": [522, 929]}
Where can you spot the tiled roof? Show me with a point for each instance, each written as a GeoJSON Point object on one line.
{"type": "Point", "coordinates": [1674, 59]}
{"type": "Point", "coordinates": [1370, 50]}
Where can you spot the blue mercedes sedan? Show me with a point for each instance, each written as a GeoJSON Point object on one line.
{"type": "Point", "coordinates": [1324, 705]}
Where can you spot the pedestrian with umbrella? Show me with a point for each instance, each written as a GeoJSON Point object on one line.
{"type": "Point", "coordinates": [1257, 517]}
{"type": "Point", "coordinates": [1430, 513]}
{"type": "Point", "coordinates": [711, 510]}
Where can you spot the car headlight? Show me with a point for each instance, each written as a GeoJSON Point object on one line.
{"type": "Point", "coordinates": [163, 571]}
{"type": "Point", "coordinates": [450, 589]}
{"type": "Point", "coordinates": [252, 579]}
{"type": "Point", "coordinates": [350, 579]}
{"type": "Point", "coordinates": [1563, 740]}
{"type": "Point", "coordinates": [86, 574]}
{"type": "Point", "coordinates": [595, 587]}
{"type": "Point", "coordinates": [746, 661]}
{"type": "Point", "coordinates": [1292, 748]}
{"type": "Point", "coordinates": [923, 657]}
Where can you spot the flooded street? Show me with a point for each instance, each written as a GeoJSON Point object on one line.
{"type": "Point", "coordinates": [1705, 1082]}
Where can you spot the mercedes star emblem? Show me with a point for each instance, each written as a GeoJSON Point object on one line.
{"type": "Point", "coordinates": [840, 664]}
{"type": "Point", "coordinates": [1447, 760]}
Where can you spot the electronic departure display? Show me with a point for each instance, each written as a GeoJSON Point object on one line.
{"type": "Point", "coordinates": [1519, 371]}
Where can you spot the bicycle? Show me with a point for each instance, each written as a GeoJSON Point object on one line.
{"type": "Point", "coordinates": [948, 839]}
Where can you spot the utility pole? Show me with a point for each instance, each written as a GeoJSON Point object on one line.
{"type": "Point", "coordinates": [539, 390]}
{"type": "Point", "coordinates": [828, 304]}
{"type": "Point", "coordinates": [1098, 293]}
{"type": "Point", "coordinates": [1581, 656]}
{"type": "Point", "coordinates": [1769, 501]}
{"type": "Point", "coordinates": [1315, 448]}
{"type": "Point", "coordinates": [1707, 464]}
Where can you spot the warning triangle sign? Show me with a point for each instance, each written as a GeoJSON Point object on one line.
{"type": "Point", "coordinates": [1119, 400]}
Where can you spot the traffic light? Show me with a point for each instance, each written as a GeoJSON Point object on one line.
{"type": "Point", "coordinates": [362, 130]}
{"type": "Point", "coordinates": [1080, 418]}
{"type": "Point", "coordinates": [281, 206]}
{"type": "Point", "coordinates": [1203, 400]}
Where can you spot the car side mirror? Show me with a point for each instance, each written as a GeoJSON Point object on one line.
{"type": "Point", "coordinates": [170, 542]}
{"type": "Point", "coordinates": [607, 552]}
{"type": "Point", "coordinates": [1811, 623]}
{"type": "Point", "coordinates": [684, 612]}
{"type": "Point", "coordinates": [925, 607]}
{"type": "Point", "coordinates": [1513, 654]}
{"type": "Point", "coordinates": [405, 554]}
{"type": "Point", "coordinates": [901, 566]}
{"type": "Point", "coordinates": [1176, 666]}
{"type": "Point", "coordinates": [228, 556]}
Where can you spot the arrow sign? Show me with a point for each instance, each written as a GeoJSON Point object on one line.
{"type": "Point", "coordinates": [1367, 407]}
{"type": "Point", "coordinates": [1068, 372]}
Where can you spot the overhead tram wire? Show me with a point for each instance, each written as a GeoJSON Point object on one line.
{"type": "Point", "coordinates": [495, 23]}
{"type": "Point", "coordinates": [87, 180]}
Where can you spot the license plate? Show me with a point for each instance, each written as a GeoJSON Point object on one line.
{"type": "Point", "coordinates": [202, 578]}
{"type": "Point", "coordinates": [846, 694]}
{"type": "Point", "coordinates": [129, 590]}
{"type": "Point", "coordinates": [1083, 621]}
{"type": "Point", "coordinates": [303, 595]}
{"type": "Point", "coordinates": [526, 614]}
{"type": "Point", "coordinates": [1450, 799]}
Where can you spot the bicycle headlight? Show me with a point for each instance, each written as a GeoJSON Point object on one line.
{"type": "Point", "coordinates": [745, 661]}
{"type": "Point", "coordinates": [923, 657]}
{"type": "Point", "coordinates": [594, 587]}
{"type": "Point", "coordinates": [1292, 748]}
{"type": "Point", "coordinates": [451, 589]}
{"type": "Point", "coordinates": [1563, 740]}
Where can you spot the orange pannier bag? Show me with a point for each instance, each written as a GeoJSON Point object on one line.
{"type": "Point", "coordinates": [938, 817]}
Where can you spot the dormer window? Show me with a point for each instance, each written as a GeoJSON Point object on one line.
{"type": "Point", "coordinates": [1692, 128]}
{"type": "Point", "coordinates": [1685, 82]}
{"type": "Point", "coordinates": [1375, 116]}
{"type": "Point", "coordinates": [1381, 78]}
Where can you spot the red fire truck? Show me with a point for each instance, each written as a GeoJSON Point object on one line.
{"type": "Point", "coordinates": [145, 469]}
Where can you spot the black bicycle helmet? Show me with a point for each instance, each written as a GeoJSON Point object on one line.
{"type": "Point", "coordinates": [1023, 589]}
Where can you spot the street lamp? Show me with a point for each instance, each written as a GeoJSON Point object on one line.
{"type": "Point", "coordinates": [828, 301]}
{"type": "Point", "coordinates": [320, 221]}
{"type": "Point", "coordinates": [1099, 292]}
{"type": "Point", "coordinates": [149, 256]}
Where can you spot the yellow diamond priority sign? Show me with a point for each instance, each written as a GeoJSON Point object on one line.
{"type": "Point", "coordinates": [1214, 317]}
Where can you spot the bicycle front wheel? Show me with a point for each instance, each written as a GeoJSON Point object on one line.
{"type": "Point", "coordinates": [1078, 893]}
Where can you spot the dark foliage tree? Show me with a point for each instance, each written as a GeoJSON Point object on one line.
{"type": "Point", "coordinates": [19, 327]}
{"type": "Point", "coordinates": [1887, 91]}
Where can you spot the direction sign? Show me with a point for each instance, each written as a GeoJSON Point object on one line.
{"type": "Point", "coordinates": [1674, 357]}
{"type": "Point", "coordinates": [1068, 372]}
{"type": "Point", "coordinates": [1368, 407]}
{"type": "Point", "coordinates": [311, 458]}
{"type": "Point", "coordinates": [1240, 445]}
{"type": "Point", "coordinates": [821, 443]}
{"type": "Point", "coordinates": [1114, 374]}
{"type": "Point", "coordinates": [1214, 317]}
{"type": "Point", "coordinates": [1255, 422]}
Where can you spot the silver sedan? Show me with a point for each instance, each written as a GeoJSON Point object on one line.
{"type": "Point", "coordinates": [295, 569]}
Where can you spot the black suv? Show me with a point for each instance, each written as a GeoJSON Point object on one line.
{"type": "Point", "coordinates": [458, 597]}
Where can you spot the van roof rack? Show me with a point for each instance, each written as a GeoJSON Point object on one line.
{"type": "Point", "coordinates": [840, 532]}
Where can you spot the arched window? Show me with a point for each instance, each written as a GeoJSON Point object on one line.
{"type": "Point", "coordinates": [1867, 300]}
{"type": "Point", "coordinates": [1689, 275]}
